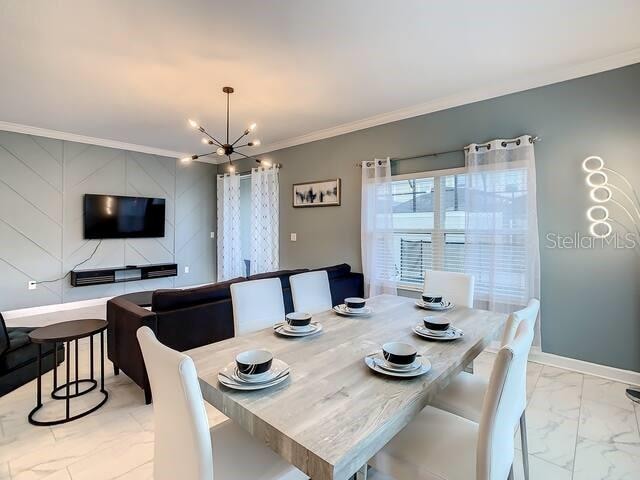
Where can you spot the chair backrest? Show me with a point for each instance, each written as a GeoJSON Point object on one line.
{"type": "Point", "coordinates": [182, 446]}
{"type": "Point", "coordinates": [4, 336]}
{"type": "Point", "coordinates": [453, 286]}
{"type": "Point", "coordinates": [257, 304]}
{"type": "Point", "coordinates": [311, 292]}
{"type": "Point", "coordinates": [529, 313]}
{"type": "Point", "coordinates": [502, 407]}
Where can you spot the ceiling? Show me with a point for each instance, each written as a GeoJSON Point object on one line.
{"type": "Point", "coordinates": [134, 71]}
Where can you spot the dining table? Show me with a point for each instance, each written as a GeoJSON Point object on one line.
{"type": "Point", "coordinates": [333, 413]}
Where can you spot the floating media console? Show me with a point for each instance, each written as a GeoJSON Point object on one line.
{"type": "Point", "coordinates": [130, 273]}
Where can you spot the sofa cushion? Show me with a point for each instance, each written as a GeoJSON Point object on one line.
{"type": "Point", "coordinates": [336, 271]}
{"type": "Point", "coordinates": [173, 299]}
{"type": "Point", "coordinates": [4, 336]}
{"type": "Point", "coordinates": [21, 351]}
{"type": "Point", "coordinates": [283, 275]}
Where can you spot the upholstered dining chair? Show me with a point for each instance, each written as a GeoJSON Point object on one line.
{"type": "Point", "coordinates": [311, 292]}
{"type": "Point", "coordinates": [444, 446]}
{"type": "Point", "coordinates": [465, 395]}
{"type": "Point", "coordinates": [184, 445]}
{"type": "Point", "coordinates": [257, 304]}
{"type": "Point", "coordinates": [455, 287]}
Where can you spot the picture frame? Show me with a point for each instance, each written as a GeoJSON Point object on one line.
{"type": "Point", "coordinates": [322, 193]}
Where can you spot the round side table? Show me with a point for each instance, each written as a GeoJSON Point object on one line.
{"type": "Point", "coordinates": [67, 332]}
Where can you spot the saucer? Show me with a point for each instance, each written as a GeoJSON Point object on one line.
{"type": "Point", "coordinates": [229, 377]}
{"type": "Point", "coordinates": [374, 362]}
{"type": "Point", "coordinates": [285, 330]}
{"type": "Point", "coordinates": [436, 307]}
{"type": "Point", "coordinates": [451, 334]}
{"type": "Point", "coordinates": [382, 363]}
{"type": "Point", "coordinates": [349, 312]}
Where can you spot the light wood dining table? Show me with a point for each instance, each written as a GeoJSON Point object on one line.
{"type": "Point", "coordinates": [333, 413]}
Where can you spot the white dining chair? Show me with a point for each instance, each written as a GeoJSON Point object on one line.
{"type": "Point", "coordinates": [257, 304]}
{"type": "Point", "coordinates": [311, 292]}
{"type": "Point", "coordinates": [184, 446]}
{"type": "Point", "coordinates": [464, 396]}
{"type": "Point", "coordinates": [443, 446]}
{"type": "Point", "coordinates": [455, 287]}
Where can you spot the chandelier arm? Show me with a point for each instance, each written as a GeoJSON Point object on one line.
{"type": "Point", "coordinates": [244, 134]}
{"type": "Point", "coordinates": [635, 194]}
{"type": "Point", "coordinates": [245, 145]}
{"type": "Point", "coordinates": [206, 154]}
{"type": "Point", "coordinates": [247, 156]}
{"type": "Point", "coordinates": [627, 197]}
{"type": "Point", "coordinates": [215, 140]}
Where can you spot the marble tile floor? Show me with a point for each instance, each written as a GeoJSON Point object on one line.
{"type": "Point", "coordinates": [580, 428]}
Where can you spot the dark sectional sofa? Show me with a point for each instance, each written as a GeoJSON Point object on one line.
{"type": "Point", "coordinates": [189, 318]}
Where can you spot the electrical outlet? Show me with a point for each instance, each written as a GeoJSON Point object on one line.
{"type": "Point", "coordinates": [213, 234]}
{"type": "Point", "coordinates": [32, 285]}
{"type": "Point", "coordinates": [186, 269]}
{"type": "Point", "coordinates": [294, 237]}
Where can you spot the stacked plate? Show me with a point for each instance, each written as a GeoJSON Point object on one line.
{"type": "Point", "coordinates": [287, 330]}
{"type": "Point", "coordinates": [342, 309]}
{"type": "Point", "coordinates": [436, 307]}
{"type": "Point", "coordinates": [377, 363]}
{"type": "Point", "coordinates": [449, 334]}
{"type": "Point", "coordinates": [232, 378]}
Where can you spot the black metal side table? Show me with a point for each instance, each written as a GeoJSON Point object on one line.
{"type": "Point", "coordinates": [67, 332]}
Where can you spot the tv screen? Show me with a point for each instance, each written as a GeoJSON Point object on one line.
{"type": "Point", "coordinates": [112, 216]}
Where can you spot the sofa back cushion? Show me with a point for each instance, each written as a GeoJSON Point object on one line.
{"type": "Point", "coordinates": [4, 336]}
{"type": "Point", "coordinates": [173, 299]}
{"type": "Point", "coordinates": [336, 271]}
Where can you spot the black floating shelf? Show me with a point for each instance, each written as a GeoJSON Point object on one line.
{"type": "Point", "coordinates": [130, 273]}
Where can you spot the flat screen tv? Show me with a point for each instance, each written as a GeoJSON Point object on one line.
{"type": "Point", "coordinates": [112, 216]}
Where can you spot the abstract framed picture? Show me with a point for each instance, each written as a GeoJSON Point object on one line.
{"type": "Point", "coordinates": [325, 193]}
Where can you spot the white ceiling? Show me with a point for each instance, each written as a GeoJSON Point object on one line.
{"type": "Point", "coordinates": [134, 71]}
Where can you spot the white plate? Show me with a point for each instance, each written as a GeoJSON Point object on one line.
{"type": "Point", "coordinates": [283, 330]}
{"type": "Point", "coordinates": [374, 363]}
{"type": "Point", "coordinates": [451, 334]}
{"type": "Point", "coordinates": [347, 312]}
{"type": "Point", "coordinates": [277, 367]}
{"type": "Point", "coordinates": [435, 307]}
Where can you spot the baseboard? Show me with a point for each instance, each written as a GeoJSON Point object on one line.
{"type": "Point", "coordinates": [536, 355]}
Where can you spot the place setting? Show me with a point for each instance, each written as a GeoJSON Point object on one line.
{"type": "Point", "coordinates": [434, 302]}
{"type": "Point", "coordinates": [254, 370]}
{"type": "Point", "coordinates": [297, 324]}
{"type": "Point", "coordinates": [353, 307]}
{"type": "Point", "coordinates": [437, 328]}
{"type": "Point", "coordinates": [397, 359]}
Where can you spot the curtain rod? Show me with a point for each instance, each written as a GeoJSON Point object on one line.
{"type": "Point", "coordinates": [246, 173]}
{"type": "Point", "coordinates": [532, 139]}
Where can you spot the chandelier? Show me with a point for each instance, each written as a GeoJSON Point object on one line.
{"type": "Point", "coordinates": [227, 148]}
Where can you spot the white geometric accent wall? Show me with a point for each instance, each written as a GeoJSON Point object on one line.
{"type": "Point", "coordinates": [42, 183]}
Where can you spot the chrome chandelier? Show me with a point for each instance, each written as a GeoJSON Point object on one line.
{"type": "Point", "coordinates": [227, 148]}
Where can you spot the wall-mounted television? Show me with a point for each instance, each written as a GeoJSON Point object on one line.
{"type": "Point", "coordinates": [113, 216]}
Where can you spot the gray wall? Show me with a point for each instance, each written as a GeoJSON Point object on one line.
{"type": "Point", "coordinates": [42, 183]}
{"type": "Point", "coordinates": [590, 297]}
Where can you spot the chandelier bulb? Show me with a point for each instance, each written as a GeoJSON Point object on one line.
{"type": "Point", "coordinates": [220, 151]}
{"type": "Point", "coordinates": [252, 127]}
{"type": "Point", "coordinates": [232, 169]}
{"type": "Point", "coordinates": [193, 123]}
{"type": "Point", "coordinates": [206, 141]}
{"type": "Point", "coordinates": [255, 143]}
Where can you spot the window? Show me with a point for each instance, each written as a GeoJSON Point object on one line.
{"type": "Point", "coordinates": [429, 220]}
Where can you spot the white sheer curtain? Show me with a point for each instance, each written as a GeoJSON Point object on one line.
{"type": "Point", "coordinates": [265, 199]}
{"type": "Point", "coordinates": [501, 230]}
{"type": "Point", "coordinates": [229, 243]}
{"type": "Point", "coordinates": [377, 228]}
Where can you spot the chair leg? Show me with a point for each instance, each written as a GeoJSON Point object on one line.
{"type": "Point", "coordinates": [469, 368]}
{"type": "Point", "coordinates": [362, 473]}
{"type": "Point", "coordinates": [116, 369]}
{"type": "Point", "coordinates": [525, 447]}
{"type": "Point", "coordinates": [511, 477]}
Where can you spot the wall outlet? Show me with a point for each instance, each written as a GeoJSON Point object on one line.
{"type": "Point", "coordinates": [213, 234]}
{"type": "Point", "coordinates": [294, 237]}
{"type": "Point", "coordinates": [32, 285]}
{"type": "Point", "coordinates": [186, 269]}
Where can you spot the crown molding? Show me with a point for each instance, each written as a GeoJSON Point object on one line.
{"type": "Point", "coordinates": [102, 142]}
{"type": "Point", "coordinates": [496, 90]}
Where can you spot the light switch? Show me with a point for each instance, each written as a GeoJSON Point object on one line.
{"type": "Point", "coordinates": [186, 269]}
{"type": "Point", "coordinates": [294, 237]}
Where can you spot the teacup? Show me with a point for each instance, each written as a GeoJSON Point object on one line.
{"type": "Point", "coordinates": [355, 303]}
{"type": "Point", "coordinates": [254, 362]}
{"type": "Point", "coordinates": [438, 324]}
{"type": "Point", "coordinates": [431, 298]}
{"type": "Point", "coordinates": [298, 320]}
{"type": "Point", "coordinates": [398, 354]}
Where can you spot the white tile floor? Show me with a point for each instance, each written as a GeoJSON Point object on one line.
{"type": "Point", "coordinates": [580, 428]}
